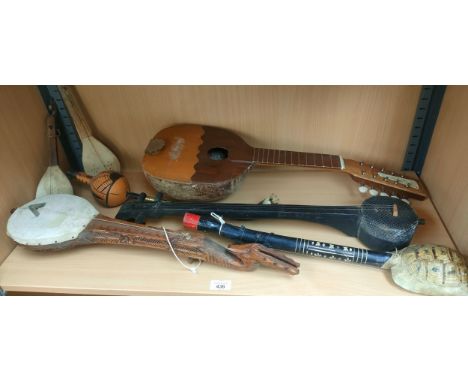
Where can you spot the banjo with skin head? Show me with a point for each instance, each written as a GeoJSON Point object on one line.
{"type": "Point", "coordinates": [56, 222]}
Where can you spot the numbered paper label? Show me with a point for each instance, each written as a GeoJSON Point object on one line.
{"type": "Point", "coordinates": [220, 285]}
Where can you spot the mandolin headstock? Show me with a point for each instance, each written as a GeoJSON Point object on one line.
{"type": "Point", "coordinates": [381, 181]}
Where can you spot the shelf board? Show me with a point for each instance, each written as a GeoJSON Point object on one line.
{"type": "Point", "coordinates": [115, 270]}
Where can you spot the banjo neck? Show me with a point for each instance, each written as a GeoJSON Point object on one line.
{"type": "Point", "coordinates": [105, 230]}
{"type": "Point", "coordinates": [272, 157]}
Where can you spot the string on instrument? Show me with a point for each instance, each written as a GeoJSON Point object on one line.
{"type": "Point", "coordinates": [343, 211]}
{"type": "Point", "coordinates": [228, 208]}
{"type": "Point", "coordinates": [191, 269]}
{"type": "Point", "coordinates": [71, 98]}
{"type": "Point", "coordinates": [221, 221]}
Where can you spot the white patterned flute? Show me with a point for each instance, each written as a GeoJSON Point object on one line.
{"type": "Point", "coordinates": [426, 269]}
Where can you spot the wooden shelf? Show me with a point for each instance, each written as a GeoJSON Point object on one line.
{"type": "Point", "coordinates": [137, 271]}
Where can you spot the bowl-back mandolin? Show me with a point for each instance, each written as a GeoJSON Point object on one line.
{"type": "Point", "coordinates": [194, 162]}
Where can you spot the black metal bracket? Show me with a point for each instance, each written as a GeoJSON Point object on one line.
{"type": "Point", "coordinates": [424, 123]}
{"type": "Point", "coordinates": [68, 134]}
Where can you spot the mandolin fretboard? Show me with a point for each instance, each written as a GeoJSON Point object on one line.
{"type": "Point", "coordinates": [295, 158]}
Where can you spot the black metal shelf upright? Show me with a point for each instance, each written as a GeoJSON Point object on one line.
{"type": "Point", "coordinates": [427, 111]}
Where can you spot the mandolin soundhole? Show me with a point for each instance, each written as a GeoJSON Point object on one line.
{"type": "Point", "coordinates": [217, 153]}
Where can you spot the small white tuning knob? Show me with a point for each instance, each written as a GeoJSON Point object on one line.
{"type": "Point", "coordinates": [383, 194]}
{"type": "Point", "coordinates": [406, 201]}
{"type": "Point", "coordinates": [373, 192]}
{"type": "Point", "coordinates": [394, 196]}
{"type": "Point", "coordinates": [363, 189]}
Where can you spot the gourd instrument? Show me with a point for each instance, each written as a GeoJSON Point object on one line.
{"type": "Point", "coordinates": [109, 188]}
{"type": "Point", "coordinates": [380, 222]}
{"type": "Point", "coordinates": [56, 222]}
{"type": "Point", "coordinates": [426, 269]}
{"type": "Point", "coordinates": [195, 162]}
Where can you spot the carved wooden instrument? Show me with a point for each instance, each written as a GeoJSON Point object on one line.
{"type": "Point", "coordinates": [54, 181]}
{"type": "Point", "coordinates": [56, 222]}
{"type": "Point", "coordinates": [427, 269]}
{"type": "Point", "coordinates": [95, 156]}
{"type": "Point", "coordinates": [207, 163]}
{"type": "Point", "coordinates": [109, 188]}
{"type": "Point", "coordinates": [381, 223]}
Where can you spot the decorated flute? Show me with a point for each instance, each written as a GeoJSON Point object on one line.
{"type": "Point", "coordinates": [427, 269]}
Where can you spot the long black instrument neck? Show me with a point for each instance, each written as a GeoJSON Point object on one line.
{"type": "Point", "coordinates": [287, 243]}
{"type": "Point", "coordinates": [345, 219]}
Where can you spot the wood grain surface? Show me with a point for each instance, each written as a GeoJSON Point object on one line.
{"type": "Point", "coordinates": [369, 123]}
{"type": "Point", "coordinates": [136, 271]}
{"type": "Point", "coordinates": [445, 171]}
{"type": "Point", "coordinates": [24, 151]}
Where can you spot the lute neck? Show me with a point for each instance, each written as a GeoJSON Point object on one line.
{"type": "Point", "coordinates": [345, 218]}
{"type": "Point", "coordinates": [274, 157]}
{"type": "Point", "coordinates": [74, 108]}
{"type": "Point", "coordinates": [53, 159]}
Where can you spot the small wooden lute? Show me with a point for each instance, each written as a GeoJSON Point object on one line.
{"type": "Point", "coordinates": [194, 162]}
{"type": "Point", "coordinates": [54, 181]}
{"type": "Point", "coordinates": [95, 156]}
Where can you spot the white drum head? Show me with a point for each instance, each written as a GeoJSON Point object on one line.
{"type": "Point", "coordinates": [50, 219]}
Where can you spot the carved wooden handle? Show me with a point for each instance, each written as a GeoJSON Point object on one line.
{"type": "Point", "coordinates": [246, 257]}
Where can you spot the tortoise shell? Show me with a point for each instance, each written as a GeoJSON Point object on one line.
{"type": "Point", "coordinates": [429, 269]}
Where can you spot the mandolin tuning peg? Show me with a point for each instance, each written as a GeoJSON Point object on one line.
{"type": "Point", "coordinates": [406, 201]}
{"type": "Point", "coordinates": [383, 194]}
{"type": "Point", "coordinates": [394, 196]}
{"type": "Point", "coordinates": [373, 192]}
{"type": "Point", "coordinates": [363, 189]}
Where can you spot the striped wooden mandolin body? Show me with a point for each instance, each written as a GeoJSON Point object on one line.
{"type": "Point", "coordinates": [194, 162]}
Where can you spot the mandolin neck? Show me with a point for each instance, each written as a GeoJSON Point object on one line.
{"type": "Point", "coordinates": [272, 157]}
